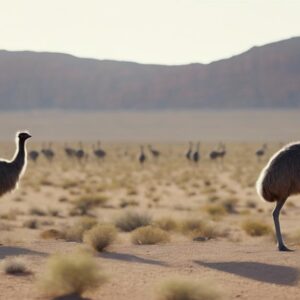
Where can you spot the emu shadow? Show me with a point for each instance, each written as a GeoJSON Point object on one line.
{"type": "Point", "coordinates": [131, 258]}
{"type": "Point", "coordinates": [70, 297]}
{"type": "Point", "coordinates": [275, 274]}
{"type": "Point", "coordinates": [13, 251]}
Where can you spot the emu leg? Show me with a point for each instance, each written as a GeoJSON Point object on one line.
{"type": "Point", "coordinates": [276, 213]}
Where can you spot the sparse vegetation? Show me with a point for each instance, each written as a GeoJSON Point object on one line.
{"type": "Point", "coordinates": [75, 232]}
{"type": "Point", "coordinates": [256, 227]}
{"type": "Point", "coordinates": [167, 224]}
{"type": "Point", "coordinates": [130, 220]}
{"type": "Point", "coordinates": [74, 273]}
{"type": "Point", "coordinates": [149, 235]}
{"type": "Point", "coordinates": [31, 224]}
{"type": "Point", "coordinates": [183, 289]}
{"type": "Point", "coordinates": [14, 266]}
{"type": "Point", "coordinates": [51, 234]}
{"type": "Point", "coordinates": [85, 203]}
{"type": "Point", "coordinates": [100, 236]}
{"type": "Point", "coordinates": [197, 228]}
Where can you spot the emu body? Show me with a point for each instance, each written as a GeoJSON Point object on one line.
{"type": "Point", "coordinates": [11, 171]}
{"type": "Point", "coordinates": [280, 179]}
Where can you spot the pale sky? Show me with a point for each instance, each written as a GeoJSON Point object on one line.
{"type": "Point", "coordinates": [147, 31]}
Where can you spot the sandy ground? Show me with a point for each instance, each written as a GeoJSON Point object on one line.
{"type": "Point", "coordinates": [240, 266]}
{"type": "Point", "coordinates": [250, 271]}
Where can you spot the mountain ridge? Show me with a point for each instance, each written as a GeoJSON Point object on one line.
{"type": "Point", "coordinates": [263, 76]}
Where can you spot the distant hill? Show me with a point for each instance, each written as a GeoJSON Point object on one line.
{"type": "Point", "coordinates": [266, 76]}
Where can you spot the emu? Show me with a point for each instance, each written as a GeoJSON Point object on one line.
{"type": "Point", "coordinates": [155, 153]}
{"type": "Point", "coordinates": [222, 152]}
{"type": "Point", "coordinates": [196, 155]}
{"type": "Point", "coordinates": [142, 157]}
{"type": "Point", "coordinates": [189, 152]}
{"type": "Point", "coordinates": [215, 154]}
{"type": "Point", "coordinates": [98, 152]}
{"type": "Point", "coordinates": [48, 153]}
{"type": "Point", "coordinates": [11, 171]}
{"type": "Point", "coordinates": [278, 180]}
{"type": "Point", "coordinates": [80, 152]}
{"type": "Point", "coordinates": [33, 155]}
{"type": "Point", "coordinates": [70, 152]}
{"type": "Point", "coordinates": [261, 152]}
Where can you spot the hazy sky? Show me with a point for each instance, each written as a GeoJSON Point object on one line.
{"type": "Point", "coordinates": [147, 31]}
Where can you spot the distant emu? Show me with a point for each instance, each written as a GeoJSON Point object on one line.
{"type": "Point", "coordinates": [196, 155]}
{"type": "Point", "coordinates": [261, 152]}
{"type": "Point", "coordinates": [33, 155]}
{"type": "Point", "coordinates": [11, 171]}
{"type": "Point", "coordinates": [142, 157]}
{"type": "Point", "coordinates": [155, 153]}
{"type": "Point", "coordinates": [80, 152]}
{"type": "Point", "coordinates": [99, 152]}
{"type": "Point", "coordinates": [188, 155]}
{"type": "Point", "coordinates": [279, 180]}
{"type": "Point", "coordinates": [70, 152]}
{"type": "Point", "coordinates": [48, 152]}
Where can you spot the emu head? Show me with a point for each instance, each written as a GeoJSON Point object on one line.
{"type": "Point", "coordinates": [23, 136]}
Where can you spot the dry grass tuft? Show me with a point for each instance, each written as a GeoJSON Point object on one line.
{"type": "Point", "coordinates": [75, 232]}
{"type": "Point", "coordinates": [74, 273]}
{"type": "Point", "coordinates": [256, 228]}
{"type": "Point", "coordinates": [149, 235]}
{"type": "Point", "coordinates": [215, 210]}
{"type": "Point", "coordinates": [129, 221]}
{"type": "Point", "coordinates": [14, 266]}
{"type": "Point", "coordinates": [100, 236]}
{"type": "Point", "coordinates": [31, 224]}
{"type": "Point", "coordinates": [182, 289]}
{"type": "Point", "coordinates": [167, 224]}
{"type": "Point", "coordinates": [197, 228]}
{"type": "Point", "coordinates": [51, 234]}
{"type": "Point", "coordinates": [36, 211]}
{"type": "Point", "coordinates": [84, 204]}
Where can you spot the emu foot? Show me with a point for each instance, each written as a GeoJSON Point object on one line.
{"type": "Point", "coordinates": [284, 248]}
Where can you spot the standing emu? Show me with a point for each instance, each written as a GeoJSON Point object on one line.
{"type": "Point", "coordinates": [99, 152]}
{"type": "Point", "coordinates": [261, 152]}
{"type": "Point", "coordinates": [142, 157]}
{"type": "Point", "coordinates": [188, 155]}
{"type": "Point", "coordinates": [155, 153]}
{"type": "Point", "coordinates": [33, 155]}
{"type": "Point", "coordinates": [279, 180]}
{"type": "Point", "coordinates": [196, 155]}
{"type": "Point", "coordinates": [11, 171]}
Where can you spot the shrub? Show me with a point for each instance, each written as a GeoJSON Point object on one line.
{"type": "Point", "coordinates": [75, 233]}
{"type": "Point", "coordinates": [124, 203]}
{"type": "Point", "coordinates": [31, 224]}
{"type": "Point", "coordinates": [230, 205]}
{"type": "Point", "coordinates": [85, 203]}
{"type": "Point", "coordinates": [51, 234]}
{"type": "Point", "coordinates": [100, 236]}
{"type": "Point", "coordinates": [215, 210]}
{"type": "Point", "coordinates": [74, 273]}
{"type": "Point", "coordinates": [200, 229]}
{"type": "Point", "coordinates": [167, 224]}
{"type": "Point", "coordinates": [14, 266]}
{"type": "Point", "coordinates": [149, 235]}
{"type": "Point", "coordinates": [256, 228]}
{"type": "Point", "coordinates": [129, 221]}
{"type": "Point", "coordinates": [182, 289]}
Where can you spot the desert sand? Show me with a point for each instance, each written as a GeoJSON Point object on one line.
{"type": "Point", "coordinates": [221, 194]}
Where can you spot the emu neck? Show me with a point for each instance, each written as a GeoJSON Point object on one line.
{"type": "Point", "coordinates": [19, 158]}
